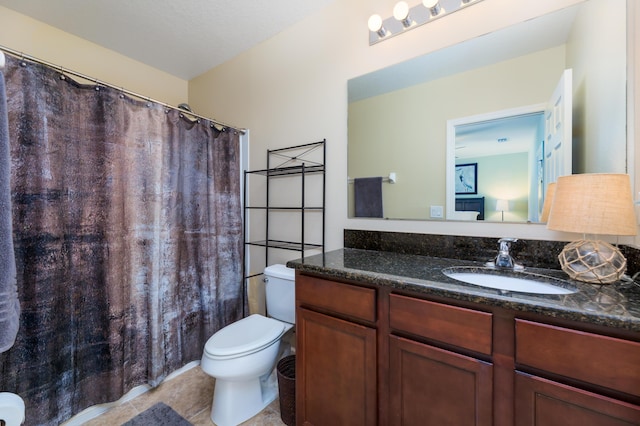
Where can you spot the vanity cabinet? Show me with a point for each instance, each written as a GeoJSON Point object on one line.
{"type": "Point", "coordinates": [369, 355]}
{"type": "Point", "coordinates": [594, 368]}
{"type": "Point", "coordinates": [336, 362]}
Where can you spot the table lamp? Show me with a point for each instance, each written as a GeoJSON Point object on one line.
{"type": "Point", "coordinates": [502, 206]}
{"type": "Point", "coordinates": [595, 204]}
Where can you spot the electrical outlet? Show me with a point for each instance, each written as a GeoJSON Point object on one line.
{"type": "Point", "coordinates": [436, 211]}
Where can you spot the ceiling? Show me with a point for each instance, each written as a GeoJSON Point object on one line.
{"type": "Point", "coordinates": [507, 135]}
{"type": "Point", "coordinates": [182, 38]}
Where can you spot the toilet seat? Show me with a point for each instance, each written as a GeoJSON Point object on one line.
{"type": "Point", "coordinates": [243, 337]}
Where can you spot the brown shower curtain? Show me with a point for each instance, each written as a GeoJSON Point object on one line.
{"type": "Point", "coordinates": [127, 231]}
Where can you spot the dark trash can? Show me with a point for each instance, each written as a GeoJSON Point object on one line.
{"type": "Point", "coordinates": [287, 388]}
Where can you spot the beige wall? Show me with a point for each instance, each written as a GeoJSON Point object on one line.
{"type": "Point", "coordinates": [498, 176]}
{"type": "Point", "coordinates": [36, 39]}
{"type": "Point", "coordinates": [293, 89]}
{"type": "Point", "coordinates": [599, 95]}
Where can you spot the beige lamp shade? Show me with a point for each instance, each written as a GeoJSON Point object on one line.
{"type": "Point", "coordinates": [593, 203]}
{"type": "Point", "coordinates": [502, 205]}
{"type": "Point", "coordinates": [598, 204]}
{"type": "Point", "coordinates": [548, 199]}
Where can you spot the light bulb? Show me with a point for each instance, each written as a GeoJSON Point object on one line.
{"type": "Point", "coordinates": [433, 6]}
{"type": "Point", "coordinates": [401, 11]}
{"type": "Point", "coordinates": [375, 23]}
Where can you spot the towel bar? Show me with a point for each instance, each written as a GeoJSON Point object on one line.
{"type": "Point", "coordinates": [390, 179]}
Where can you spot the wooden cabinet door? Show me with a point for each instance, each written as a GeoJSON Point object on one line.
{"type": "Point", "coordinates": [336, 371]}
{"type": "Point", "coordinates": [543, 402]}
{"type": "Point", "coordinates": [432, 386]}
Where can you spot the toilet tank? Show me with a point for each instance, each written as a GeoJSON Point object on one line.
{"type": "Point", "coordinates": [280, 293]}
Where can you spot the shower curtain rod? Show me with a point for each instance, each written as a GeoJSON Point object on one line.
{"type": "Point", "coordinates": [21, 55]}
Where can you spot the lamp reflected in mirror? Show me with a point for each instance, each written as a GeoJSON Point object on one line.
{"type": "Point", "coordinates": [502, 206]}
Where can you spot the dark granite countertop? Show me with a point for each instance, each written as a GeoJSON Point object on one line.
{"type": "Point", "coordinates": [616, 305]}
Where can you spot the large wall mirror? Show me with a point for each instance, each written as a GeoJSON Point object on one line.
{"type": "Point", "coordinates": [466, 128]}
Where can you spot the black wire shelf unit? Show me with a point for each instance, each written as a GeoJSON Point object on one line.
{"type": "Point", "coordinates": [298, 162]}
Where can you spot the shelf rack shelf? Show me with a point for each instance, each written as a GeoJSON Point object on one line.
{"type": "Point", "coordinates": [301, 162]}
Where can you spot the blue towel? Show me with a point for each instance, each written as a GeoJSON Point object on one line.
{"type": "Point", "coordinates": [9, 304]}
{"type": "Point", "coordinates": [368, 196]}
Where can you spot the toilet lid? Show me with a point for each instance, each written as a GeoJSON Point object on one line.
{"type": "Point", "coordinates": [248, 334]}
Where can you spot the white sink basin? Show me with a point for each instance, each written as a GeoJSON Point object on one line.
{"type": "Point", "coordinates": [507, 280]}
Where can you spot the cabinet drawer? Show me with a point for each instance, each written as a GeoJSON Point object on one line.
{"type": "Point", "coordinates": [350, 300]}
{"type": "Point", "coordinates": [592, 358]}
{"type": "Point", "coordinates": [457, 326]}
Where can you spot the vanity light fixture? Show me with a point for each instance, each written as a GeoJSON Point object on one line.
{"type": "Point", "coordinates": [406, 18]}
{"type": "Point", "coordinates": [594, 204]}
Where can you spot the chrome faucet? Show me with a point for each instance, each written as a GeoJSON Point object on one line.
{"type": "Point", "coordinates": [504, 259]}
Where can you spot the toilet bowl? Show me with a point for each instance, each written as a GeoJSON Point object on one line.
{"type": "Point", "coordinates": [11, 409]}
{"type": "Point", "coordinates": [242, 356]}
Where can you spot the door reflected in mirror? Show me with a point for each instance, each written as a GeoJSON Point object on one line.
{"type": "Point", "coordinates": [505, 149]}
{"type": "Point", "coordinates": [516, 154]}
{"type": "Point", "coordinates": [398, 116]}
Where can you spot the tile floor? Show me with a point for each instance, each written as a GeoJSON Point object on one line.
{"type": "Point", "coordinates": [190, 395]}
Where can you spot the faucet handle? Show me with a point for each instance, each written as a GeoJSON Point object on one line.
{"type": "Point", "coordinates": [504, 258]}
{"type": "Point", "coordinates": [505, 243]}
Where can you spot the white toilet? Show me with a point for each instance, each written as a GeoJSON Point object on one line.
{"type": "Point", "coordinates": [11, 409]}
{"type": "Point", "coordinates": [242, 355]}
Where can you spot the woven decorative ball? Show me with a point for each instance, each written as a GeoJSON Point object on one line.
{"type": "Point", "coordinates": [596, 262]}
